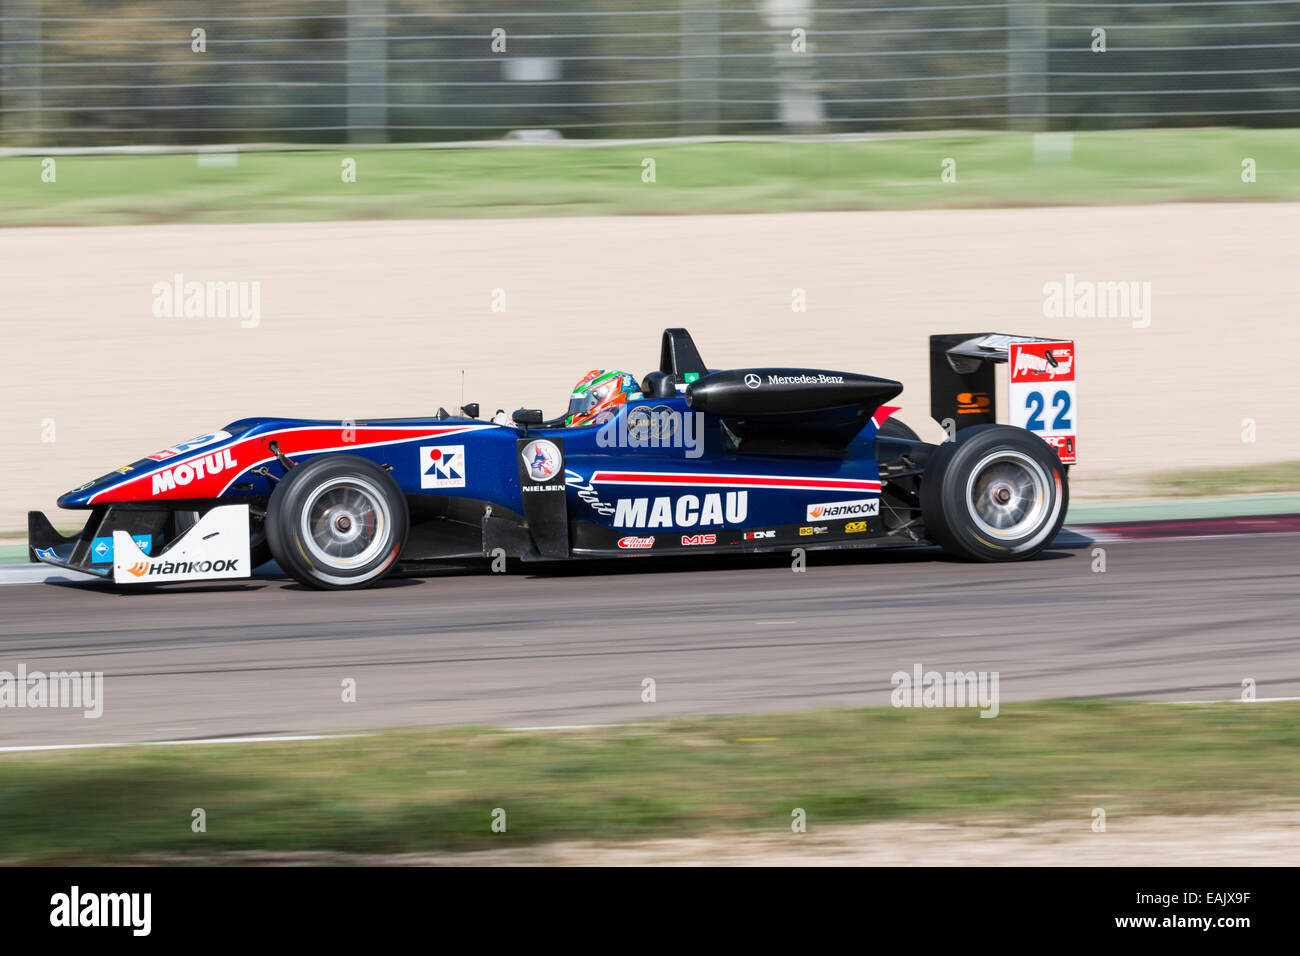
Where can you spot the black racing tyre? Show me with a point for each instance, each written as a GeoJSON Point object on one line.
{"type": "Point", "coordinates": [893, 428]}
{"type": "Point", "coordinates": [337, 522]}
{"type": "Point", "coordinates": [259, 548]}
{"type": "Point", "coordinates": [996, 493]}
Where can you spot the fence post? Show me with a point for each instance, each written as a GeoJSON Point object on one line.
{"type": "Point", "coordinates": [800, 108]}
{"type": "Point", "coordinates": [1028, 34]}
{"type": "Point", "coordinates": [697, 75]}
{"type": "Point", "coordinates": [24, 60]}
{"type": "Point", "coordinates": [367, 94]}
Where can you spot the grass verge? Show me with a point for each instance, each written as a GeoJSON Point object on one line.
{"type": "Point", "coordinates": [1135, 166]}
{"type": "Point", "coordinates": [433, 790]}
{"type": "Point", "coordinates": [1249, 480]}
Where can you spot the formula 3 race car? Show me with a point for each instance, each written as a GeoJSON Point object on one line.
{"type": "Point", "coordinates": [697, 461]}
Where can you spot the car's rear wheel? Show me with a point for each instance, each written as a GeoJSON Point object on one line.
{"type": "Point", "coordinates": [893, 428]}
{"type": "Point", "coordinates": [337, 522]}
{"type": "Point", "coordinates": [996, 493]}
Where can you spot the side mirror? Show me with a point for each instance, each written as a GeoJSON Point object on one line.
{"type": "Point", "coordinates": [528, 416]}
{"type": "Point", "coordinates": [471, 409]}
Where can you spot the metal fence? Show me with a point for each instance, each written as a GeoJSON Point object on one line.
{"type": "Point", "coordinates": [78, 72]}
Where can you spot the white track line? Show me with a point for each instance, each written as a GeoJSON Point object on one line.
{"type": "Point", "coordinates": [1236, 700]}
{"type": "Point", "coordinates": [40, 574]}
{"type": "Point", "coordinates": [517, 730]}
{"type": "Point", "coordinates": [182, 743]}
{"type": "Point", "coordinates": [302, 737]}
{"type": "Point", "coordinates": [253, 740]}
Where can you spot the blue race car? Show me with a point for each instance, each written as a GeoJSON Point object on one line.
{"type": "Point", "coordinates": [689, 460]}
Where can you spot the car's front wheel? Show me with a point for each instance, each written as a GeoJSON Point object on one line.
{"type": "Point", "coordinates": [995, 493]}
{"type": "Point", "coordinates": [337, 522]}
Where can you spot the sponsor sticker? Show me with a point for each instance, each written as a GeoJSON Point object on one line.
{"type": "Point", "coordinates": [759, 535]}
{"type": "Point", "coordinates": [1042, 362]}
{"type": "Point", "coordinates": [699, 539]}
{"type": "Point", "coordinates": [170, 569]}
{"type": "Point", "coordinates": [186, 446]}
{"type": "Point", "coordinates": [46, 554]}
{"type": "Point", "coordinates": [542, 459]}
{"type": "Point", "coordinates": [636, 543]}
{"type": "Point", "coordinates": [684, 511]}
{"type": "Point", "coordinates": [860, 508]}
{"type": "Point", "coordinates": [169, 479]}
{"type": "Point", "coordinates": [808, 531]}
{"type": "Point", "coordinates": [442, 466]}
{"type": "Point", "coordinates": [855, 527]}
{"type": "Point", "coordinates": [652, 426]}
{"type": "Point", "coordinates": [587, 492]}
{"type": "Point", "coordinates": [802, 380]}
{"type": "Point", "coordinates": [101, 549]}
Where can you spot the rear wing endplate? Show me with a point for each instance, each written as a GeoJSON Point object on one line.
{"type": "Point", "coordinates": [1041, 379]}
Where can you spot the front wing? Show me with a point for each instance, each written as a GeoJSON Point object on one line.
{"type": "Point", "coordinates": [215, 547]}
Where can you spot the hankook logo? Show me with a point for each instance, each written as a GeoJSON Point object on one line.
{"type": "Point", "coordinates": [140, 569]}
{"type": "Point", "coordinates": [862, 508]}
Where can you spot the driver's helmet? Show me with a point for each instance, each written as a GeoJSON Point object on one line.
{"type": "Point", "coordinates": [598, 395]}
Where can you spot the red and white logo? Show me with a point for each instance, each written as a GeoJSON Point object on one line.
{"type": "Point", "coordinates": [196, 470]}
{"type": "Point", "coordinates": [631, 542]}
{"type": "Point", "coordinates": [1067, 447]}
{"type": "Point", "coordinates": [699, 539]}
{"type": "Point", "coordinates": [1042, 362]}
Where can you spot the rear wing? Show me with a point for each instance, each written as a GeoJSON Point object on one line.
{"type": "Point", "coordinates": [1041, 393]}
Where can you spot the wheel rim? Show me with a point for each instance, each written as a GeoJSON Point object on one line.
{"type": "Point", "coordinates": [1008, 495]}
{"type": "Point", "coordinates": [345, 523]}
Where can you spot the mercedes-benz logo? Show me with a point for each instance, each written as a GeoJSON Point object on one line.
{"type": "Point", "coordinates": [752, 380]}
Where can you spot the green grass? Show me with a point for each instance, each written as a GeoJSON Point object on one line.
{"type": "Point", "coordinates": [1280, 477]}
{"type": "Point", "coordinates": [435, 790]}
{"type": "Point", "coordinates": [992, 170]}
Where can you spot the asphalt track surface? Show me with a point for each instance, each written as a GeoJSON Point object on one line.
{"type": "Point", "coordinates": [1181, 619]}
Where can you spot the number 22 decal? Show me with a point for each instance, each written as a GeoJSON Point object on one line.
{"type": "Point", "coordinates": [1035, 401]}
